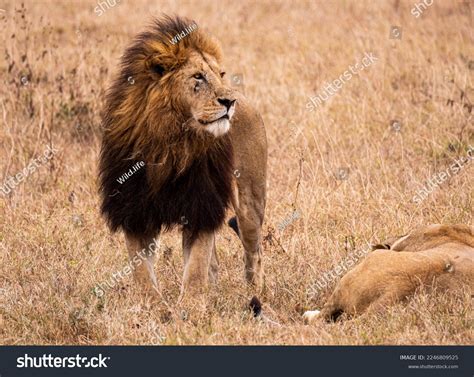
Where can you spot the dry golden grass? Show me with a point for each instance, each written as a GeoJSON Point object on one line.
{"type": "Point", "coordinates": [55, 246]}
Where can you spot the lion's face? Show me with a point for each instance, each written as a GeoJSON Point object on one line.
{"type": "Point", "coordinates": [203, 94]}
{"type": "Point", "coordinates": [197, 91]}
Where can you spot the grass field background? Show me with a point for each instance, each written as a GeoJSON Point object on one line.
{"type": "Point", "coordinates": [347, 168]}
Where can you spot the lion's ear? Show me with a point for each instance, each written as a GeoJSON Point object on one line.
{"type": "Point", "coordinates": [157, 68]}
{"type": "Point", "coordinates": [159, 65]}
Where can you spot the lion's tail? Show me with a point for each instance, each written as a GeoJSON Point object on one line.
{"type": "Point", "coordinates": [255, 307]}
{"type": "Point", "coordinates": [234, 225]}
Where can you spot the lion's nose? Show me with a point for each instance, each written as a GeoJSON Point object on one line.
{"type": "Point", "coordinates": [226, 102]}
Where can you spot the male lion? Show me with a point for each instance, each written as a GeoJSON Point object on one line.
{"type": "Point", "coordinates": [439, 256]}
{"type": "Point", "coordinates": [196, 147]}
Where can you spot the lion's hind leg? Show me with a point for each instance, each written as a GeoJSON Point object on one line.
{"type": "Point", "coordinates": [249, 229]}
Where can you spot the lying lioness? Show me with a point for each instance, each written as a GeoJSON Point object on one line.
{"type": "Point", "coordinates": [440, 256]}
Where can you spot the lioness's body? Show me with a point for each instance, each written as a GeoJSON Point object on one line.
{"type": "Point", "coordinates": [203, 148]}
{"type": "Point", "coordinates": [440, 256]}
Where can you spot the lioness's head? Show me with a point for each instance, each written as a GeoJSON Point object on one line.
{"type": "Point", "coordinates": [171, 78]}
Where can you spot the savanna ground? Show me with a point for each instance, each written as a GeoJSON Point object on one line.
{"type": "Point", "coordinates": [347, 168]}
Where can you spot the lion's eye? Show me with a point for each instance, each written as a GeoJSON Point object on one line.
{"type": "Point", "coordinates": [222, 74]}
{"type": "Point", "coordinates": [198, 76]}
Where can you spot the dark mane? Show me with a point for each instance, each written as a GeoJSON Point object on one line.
{"type": "Point", "coordinates": [197, 199]}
